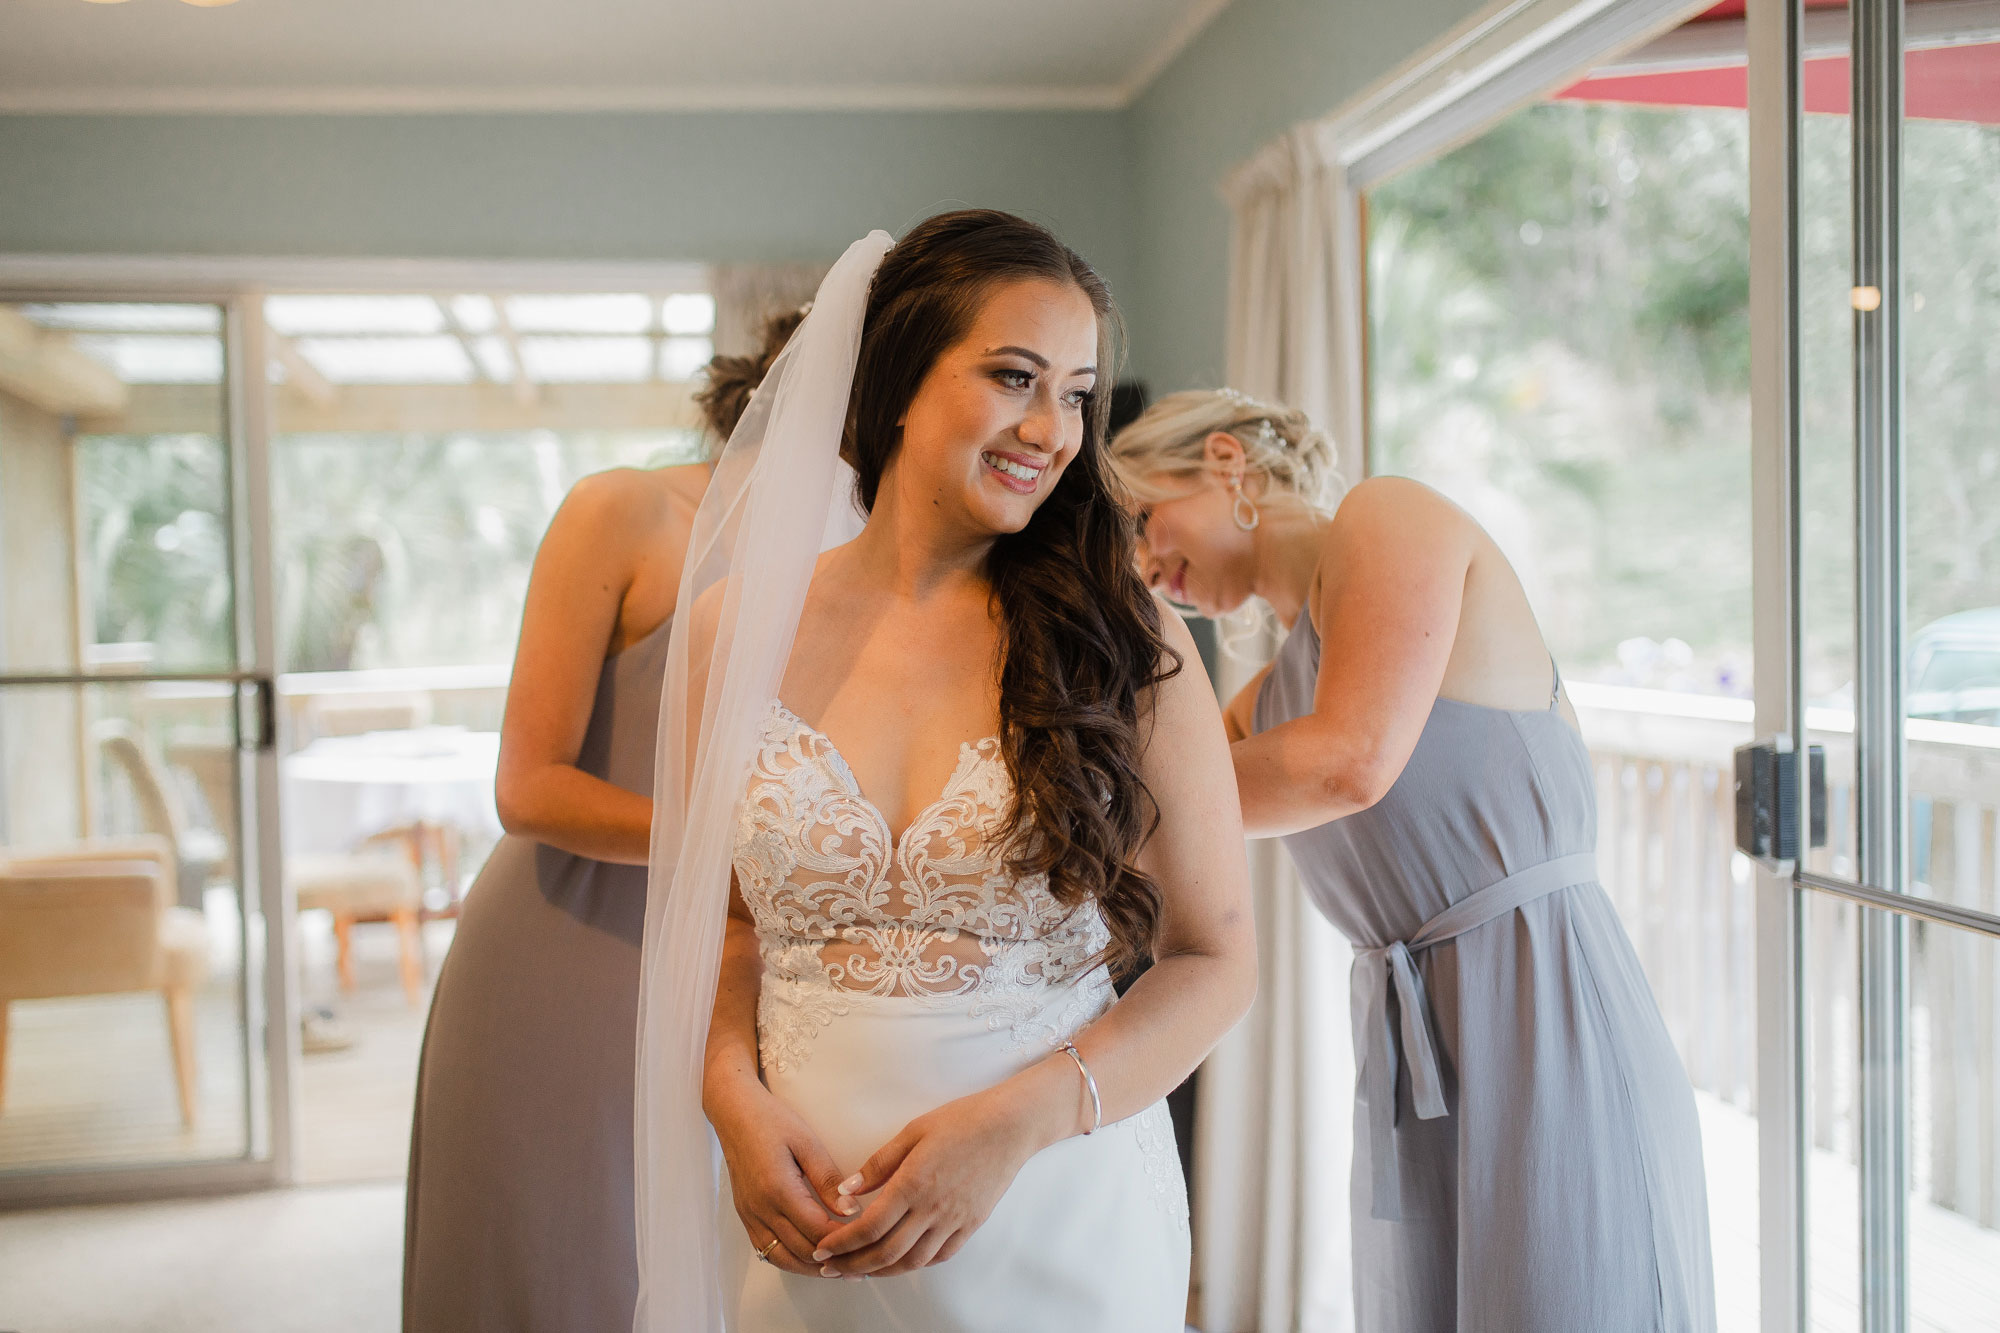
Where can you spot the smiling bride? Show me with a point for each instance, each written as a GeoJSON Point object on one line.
{"type": "Point", "coordinates": [947, 777]}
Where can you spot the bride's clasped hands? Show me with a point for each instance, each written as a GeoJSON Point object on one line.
{"type": "Point", "coordinates": [916, 1201]}
{"type": "Point", "coordinates": [783, 1181]}
{"type": "Point", "coordinates": [936, 1182]}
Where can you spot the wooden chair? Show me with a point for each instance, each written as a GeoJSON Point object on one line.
{"type": "Point", "coordinates": [96, 919]}
{"type": "Point", "coordinates": [198, 854]}
{"type": "Point", "coordinates": [365, 887]}
{"type": "Point", "coordinates": [382, 883]}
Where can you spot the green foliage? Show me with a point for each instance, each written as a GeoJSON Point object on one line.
{"type": "Point", "coordinates": [414, 550]}
{"type": "Point", "coordinates": [393, 550]}
{"type": "Point", "coordinates": [156, 550]}
{"type": "Point", "coordinates": [1559, 339]}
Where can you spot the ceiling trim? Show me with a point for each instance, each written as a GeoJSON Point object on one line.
{"type": "Point", "coordinates": [1175, 40]}
{"type": "Point", "coordinates": [336, 100]}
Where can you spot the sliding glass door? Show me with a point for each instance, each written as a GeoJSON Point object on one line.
{"type": "Point", "coordinates": [1726, 387]}
{"type": "Point", "coordinates": [1880, 513]}
{"type": "Point", "coordinates": [138, 1054]}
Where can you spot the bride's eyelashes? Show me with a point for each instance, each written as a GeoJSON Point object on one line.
{"type": "Point", "coordinates": [1023, 381]}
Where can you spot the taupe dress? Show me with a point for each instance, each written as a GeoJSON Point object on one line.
{"type": "Point", "coordinates": [1526, 1152]}
{"type": "Point", "coordinates": [520, 1194]}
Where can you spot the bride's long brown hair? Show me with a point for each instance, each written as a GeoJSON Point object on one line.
{"type": "Point", "coordinates": [1080, 649]}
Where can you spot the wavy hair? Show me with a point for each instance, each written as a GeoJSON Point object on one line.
{"type": "Point", "coordinates": [1081, 648]}
{"type": "Point", "coordinates": [728, 381]}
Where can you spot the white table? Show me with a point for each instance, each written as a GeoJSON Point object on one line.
{"type": "Point", "coordinates": [340, 790]}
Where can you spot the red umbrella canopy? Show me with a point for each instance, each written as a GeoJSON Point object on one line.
{"type": "Point", "coordinates": [1958, 81]}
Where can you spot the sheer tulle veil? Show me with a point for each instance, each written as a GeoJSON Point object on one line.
{"type": "Point", "coordinates": [779, 496]}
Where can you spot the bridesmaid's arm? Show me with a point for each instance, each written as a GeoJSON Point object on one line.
{"type": "Point", "coordinates": [581, 574]}
{"type": "Point", "coordinates": [941, 1176]}
{"type": "Point", "coordinates": [1239, 718]}
{"type": "Point", "coordinates": [1392, 581]}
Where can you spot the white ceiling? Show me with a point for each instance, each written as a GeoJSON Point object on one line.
{"type": "Point", "coordinates": [373, 55]}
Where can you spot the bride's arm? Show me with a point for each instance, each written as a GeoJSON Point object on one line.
{"type": "Point", "coordinates": [1204, 971]}
{"type": "Point", "coordinates": [782, 1177]}
{"type": "Point", "coordinates": [778, 1171]}
{"type": "Point", "coordinates": [943, 1174]}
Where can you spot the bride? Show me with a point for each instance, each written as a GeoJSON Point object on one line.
{"type": "Point", "coordinates": [922, 792]}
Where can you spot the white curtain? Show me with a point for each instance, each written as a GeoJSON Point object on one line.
{"type": "Point", "coordinates": [1275, 1108]}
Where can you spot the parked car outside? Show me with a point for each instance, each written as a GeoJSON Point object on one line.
{"type": "Point", "coordinates": [1954, 669]}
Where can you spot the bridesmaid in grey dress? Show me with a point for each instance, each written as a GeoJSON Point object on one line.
{"type": "Point", "coordinates": [520, 1207]}
{"type": "Point", "coordinates": [1526, 1155]}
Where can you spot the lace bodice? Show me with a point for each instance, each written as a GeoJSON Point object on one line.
{"type": "Point", "coordinates": [843, 907]}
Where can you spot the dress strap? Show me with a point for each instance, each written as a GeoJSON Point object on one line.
{"type": "Point", "coordinates": [1412, 1037]}
{"type": "Point", "coordinates": [1555, 682]}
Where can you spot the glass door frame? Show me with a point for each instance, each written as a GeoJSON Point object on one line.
{"type": "Point", "coordinates": [270, 1039]}
{"type": "Point", "coordinates": [239, 284]}
{"type": "Point", "coordinates": [1882, 891]}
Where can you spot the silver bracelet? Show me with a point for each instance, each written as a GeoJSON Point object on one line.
{"type": "Point", "coordinates": [1096, 1107]}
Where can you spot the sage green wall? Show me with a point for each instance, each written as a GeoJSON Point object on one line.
{"type": "Point", "coordinates": [706, 186]}
{"type": "Point", "coordinates": [1260, 67]}
{"type": "Point", "coordinates": [1134, 190]}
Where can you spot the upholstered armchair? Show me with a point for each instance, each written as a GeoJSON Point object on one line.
{"type": "Point", "coordinates": [99, 918]}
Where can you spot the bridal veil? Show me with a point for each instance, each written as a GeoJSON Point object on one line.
{"type": "Point", "coordinates": [779, 496]}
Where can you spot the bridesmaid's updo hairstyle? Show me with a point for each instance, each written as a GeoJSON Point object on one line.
{"type": "Point", "coordinates": [1167, 443]}
{"type": "Point", "coordinates": [1081, 649]}
{"type": "Point", "coordinates": [729, 381]}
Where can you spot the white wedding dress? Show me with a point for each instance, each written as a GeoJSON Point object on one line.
{"type": "Point", "coordinates": [900, 975]}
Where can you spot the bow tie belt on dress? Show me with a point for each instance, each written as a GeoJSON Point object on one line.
{"type": "Point", "coordinates": [1377, 970]}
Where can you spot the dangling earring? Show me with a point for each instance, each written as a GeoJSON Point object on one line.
{"type": "Point", "coordinates": [1239, 504]}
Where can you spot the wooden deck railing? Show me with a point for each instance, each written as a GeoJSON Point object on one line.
{"type": "Point", "coordinates": [1666, 851]}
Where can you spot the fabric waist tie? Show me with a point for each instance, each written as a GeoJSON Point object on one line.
{"type": "Point", "coordinates": [1384, 1044]}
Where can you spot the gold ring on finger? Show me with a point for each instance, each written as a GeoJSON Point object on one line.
{"type": "Point", "coordinates": [765, 1253]}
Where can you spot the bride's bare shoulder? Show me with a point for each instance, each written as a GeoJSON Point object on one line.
{"type": "Point", "coordinates": [1168, 700]}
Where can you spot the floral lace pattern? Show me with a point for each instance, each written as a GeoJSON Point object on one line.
{"type": "Point", "coordinates": [842, 907]}
{"type": "Point", "coordinates": [1154, 1128]}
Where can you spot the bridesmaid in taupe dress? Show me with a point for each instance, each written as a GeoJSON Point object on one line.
{"type": "Point", "coordinates": [1526, 1151]}
{"type": "Point", "coordinates": [520, 1208]}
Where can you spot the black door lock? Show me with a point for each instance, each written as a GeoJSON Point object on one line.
{"type": "Point", "coordinates": [1767, 799]}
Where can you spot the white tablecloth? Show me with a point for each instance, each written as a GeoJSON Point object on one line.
{"type": "Point", "coordinates": [341, 789]}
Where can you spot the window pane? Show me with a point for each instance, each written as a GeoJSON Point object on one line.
{"type": "Point", "coordinates": [411, 490]}
{"type": "Point", "coordinates": [617, 312]}
{"type": "Point", "coordinates": [1954, 1120]}
{"type": "Point", "coordinates": [353, 314]}
{"type": "Point", "coordinates": [1951, 441]}
{"type": "Point", "coordinates": [114, 491]}
{"type": "Point", "coordinates": [121, 926]}
{"type": "Point", "coordinates": [1828, 978]}
{"type": "Point", "coordinates": [1826, 444]}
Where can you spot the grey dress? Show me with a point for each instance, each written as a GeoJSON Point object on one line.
{"type": "Point", "coordinates": [519, 1216]}
{"type": "Point", "coordinates": [1526, 1151]}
